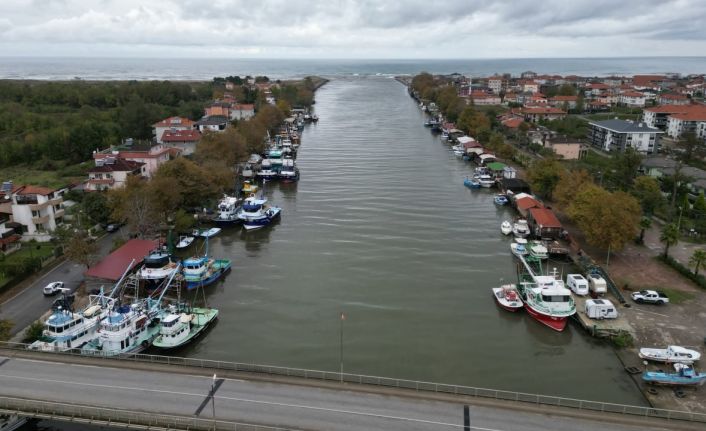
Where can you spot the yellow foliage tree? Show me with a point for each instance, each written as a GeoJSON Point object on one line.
{"type": "Point", "coordinates": [570, 183]}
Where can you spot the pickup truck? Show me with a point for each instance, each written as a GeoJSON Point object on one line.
{"type": "Point", "coordinates": [650, 296]}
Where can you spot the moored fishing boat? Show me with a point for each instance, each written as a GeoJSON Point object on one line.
{"type": "Point", "coordinates": [203, 270]}
{"type": "Point", "coordinates": [508, 297]}
{"type": "Point", "coordinates": [289, 172]}
{"type": "Point", "coordinates": [519, 247]}
{"type": "Point", "coordinates": [538, 250]}
{"type": "Point", "coordinates": [500, 200]}
{"type": "Point", "coordinates": [158, 265]}
{"type": "Point", "coordinates": [65, 329]}
{"type": "Point", "coordinates": [520, 228]}
{"type": "Point", "coordinates": [471, 183]}
{"type": "Point", "coordinates": [256, 214]}
{"type": "Point", "coordinates": [486, 181]}
{"type": "Point", "coordinates": [207, 233]}
{"type": "Point", "coordinates": [249, 187]}
{"type": "Point", "coordinates": [227, 211]}
{"type": "Point", "coordinates": [506, 227]}
{"type": "Point", "coordinates": [670, 354]}
{"type": "Point", "coordinates": [182, 325]}
{"type": "Point", "coordinates": [547, 300]}
{"type": "Point", "coordinates": [185, 241]}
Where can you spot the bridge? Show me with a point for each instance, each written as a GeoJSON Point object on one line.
{"type": "Point", "coordinates": [161, 392]}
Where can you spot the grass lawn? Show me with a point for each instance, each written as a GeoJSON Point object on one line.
{"type": "Point", "coordinates": [676, 296]}
{"type": "Point", "coordinates": [31, 249]}
{"type": "Point", "coordinates": [62, 176]}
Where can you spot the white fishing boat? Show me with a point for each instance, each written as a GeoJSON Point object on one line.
{"type": "Point", "coordinates": [670, 354]}
{"type": "Point", "coordinates": [157, 265]}
{"type": "Point", "coordinates": [520, 228]}
{"type": "Point", "coordinates": [227, 211]}
{"type": "Point", "coordinates": [519, 247]}
{"type": "Point", "coordinates": [508, 297]}
{"type": "Point", "coordinates": [486, 181]}
{"type": "Point", "coordinates": [506, 227]}
{"type": "Point", "coordinates": [185, 241]}
{"type": "Point", "coordinates": [207, 233]}
{"type": "Point", "coordinates": [537, 249]}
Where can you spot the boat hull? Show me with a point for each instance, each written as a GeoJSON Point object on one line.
{"type": "Point", "coordinates": [556, 323]}
{"type": "Point", "coordinates": [504, 303]}
{"type": "Point", "coordinates": [212, 278]}
{"type": "Point", "coordinates": [193, 335]}
{"type": "Point", "coordinates": [227, 222]}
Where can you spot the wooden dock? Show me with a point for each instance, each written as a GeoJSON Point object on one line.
{"type": "Point", "coordinates": [604, 328]}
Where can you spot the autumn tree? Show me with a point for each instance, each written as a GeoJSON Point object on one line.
{"type": "Point", "coordinates": [570, 183]}
{"type": "Point", "coordinates": [608, 220]}
{"type": "Point", "coordinates": [194, 182]}
{"type": "Point", "coordinates": [625, 169]}
{"type": "Point", "coordinates": [134, 204]}
{"type": "Point", "coordinates": [81, 249]}
{"type": "Point", "coordinates": [646, 190]}
{"type": "Point", "coordinates": [473, 122]}
{"type": "Point", "coordinates": [544, 175]}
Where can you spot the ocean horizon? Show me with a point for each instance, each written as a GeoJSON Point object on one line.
{"type": "Point", "coordinates": [200, 69]}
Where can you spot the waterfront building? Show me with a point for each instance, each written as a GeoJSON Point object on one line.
{"type": "Point", "coordinates": [184, 140]}
{"type": "Point", "coordinates": [171, 124]}
{"type": "Point", "coordinates": [618, 135]}
{"type": "Point", "coordinates": [151, 156]}
{"type": "Point", "coordinates": [112, 173]}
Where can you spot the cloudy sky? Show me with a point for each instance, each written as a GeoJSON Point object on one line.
{"type": "Point", "coordinates": [352, 28]}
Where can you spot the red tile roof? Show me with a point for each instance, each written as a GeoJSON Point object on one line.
{"type": "Point", "coordinates": [691, 116]}
{"type": "Point", "coordinates": [181, 136]}
{"type": "Point", "coordinates": [244, 107]}
{"type": "Point", "coordinates": [544, 217]}
{"type": "Point", "coordinates": [564, 98]}
{"type": "Point", "coordinates": [528, 202]}
{"type": "Point", "coordinates": [175, 122]}
{"type": "Point", "coordinates": [671, 96]}
{"type": "Point", "coordinates": [633, 94]}
{"type": "Point", "coordinates": [35, 190]}
{"type": "Point", "coordinates": [647, 80]}
{"type": "Point", "coordinates": [542, 110]}
{"type": "Point", "coordinates": [113, 265]}
{"type": "Point", "coordinates": [513, 123]}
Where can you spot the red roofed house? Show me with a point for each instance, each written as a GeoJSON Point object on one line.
{"type": "Point", "coordinates": [657, 116]}
{"type": "Point", "coordinates": [680, 123]}
{"type": "Point", "coordinates": [512, 123]}
{"type": "Point", "coordinates": [112, 173]}
{"type": "Point", "coordinates": [674, 99]}
{"type": "Point", "coordinates": [524, 204]}
{"type": "Point", "coordinates": [38, 209]}
{"type": "Point", "coordinates": [596, 88]}
{"type": "Point", "coordinates": [184, 140]}
{"type": "Point", "coordinates": [495, 83]}
{"type": "Point", "coordinates": [171, 124]}
{"type": "Point", "coordinates": [648, 82]}
{"type": "Point", "coordinates": [242, 111]}
{"type": "Point", "coordinates": [536, 113]}
{"type": "Point", "coordinates": [563, 101]}
{"type": "Point", "coordinates": [529, 86]}
{"type": "Point", "coordinates": [544, 223]}
{"type": "Point", "coordinates": [151, 157]}
{"type": "Point", "coordinates": [633, 99]}
{"type": "Point", "coordinates": [112, 267]}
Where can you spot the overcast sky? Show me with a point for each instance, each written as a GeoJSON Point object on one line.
{"type": "Point", "coordinates": [352, 29]}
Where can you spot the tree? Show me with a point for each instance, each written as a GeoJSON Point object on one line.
{"type": "Point", "coordinates": [698, 258]}
{"type": "Point", "coordinates": [5, 329]}
{"type": "Point", "coordinates": [95, 206]}
{"type": "Point", "coordinates": [567, 90]}
{"type": "Point", "coordinates": [134, 205]}
{"type": "Point", "coordinates": [608, 220]}
{"type": "Point", "coordinates": [81, 249]}
{"type": "Point", "coordinates": [580, 103]}
{"type": "Point", "coordinates": [645, 224]}
{"type": "Point", "coordinates": [669, 237]}
{"type": "Point", "coordinates": [34, 332]}
{"type": "Point", "coordinates": [544, 175]}
{"type": "Point", "coordinates": [646, 190]}
{"type": "Point", "coordinates": [570, 183]}
{"type": "Point", "coordinates": [625, 169]}
{"type": "Point", "coordinates": [691, 147]}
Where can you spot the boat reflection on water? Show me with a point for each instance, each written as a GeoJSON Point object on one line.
{"type": "Point", "coordinates": [257, 239]}
{"type": "Point", "coordinates": [543, 337]}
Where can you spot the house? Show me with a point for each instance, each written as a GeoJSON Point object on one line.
{"type": "Point", "coordinates": [658, 116]}
{"type": "Point", "coordinates": [151, 157]}
{"type": "Point", "coordinates": [171, 124]}
{"type": "Point", "coordinates": [529, 86]}
{"type": "Point", "coordinates": [483, 99]}
{"type": "Point", "coordinates": [112, 173]}
{"type": "Point", "coordinates": [9, 239]}
{"type": "Point", "coordinates": [563, 102]}
{"type": "Point", "coordinates": [596, 88]}
{"type": "Point", "coordinates": [632, 99]}
{"type": "Point", "coordinates": [674, 99]}
{"type": "Point", "coordinates": [38, 209]}
{"type": "Point", "coordinates": [510, 97]}
{"type": "Point", "coordinates": [184, 140]}
{"type": "Point", "coordinates": [543, 223]}
{"type": "Point", "coordinates": [686, 122]}
{"type": "Point", "coordinates": [524, 203]}
{"type": "Point", "coordinates": [528, 75]}
{"type": "Point", "coordinates": [242, 111]}
{"type": "Point", "coordinates": [536, 99]}
{"type": "Point", "coordinates": [218, 108]}
{"type": "Point", "coordinates": [496, 84]}
{"type": "Point", "coordinates": [648, 82]}
{"type": "Point", "coordinates": [212, 124]}
{"type": "Point", "coordinates": [512, 123]}
{"type": "Point", "coordinates": [566, 148]}
{"type": "Point", "coordinates": [618, 135]}
{"type": "Point", "coordinates": [534, 114]}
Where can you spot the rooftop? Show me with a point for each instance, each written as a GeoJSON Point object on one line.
{"type": "Point", "coordinates": [181, 136]}
{"type": "Point", "coordinates": [118, 165]}
{"type": "Point", "coordinates": [174, 122]}
{"type": "Point", "coordinates": [113, 265]}
{"type": "Point", "coordinates": [625, 126]}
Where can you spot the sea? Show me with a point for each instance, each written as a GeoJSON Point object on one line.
{"type": "Point", "coordinates": [194, 69]}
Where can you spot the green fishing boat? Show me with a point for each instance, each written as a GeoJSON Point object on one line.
{"type": "Point", "coordinates": [181, 325]}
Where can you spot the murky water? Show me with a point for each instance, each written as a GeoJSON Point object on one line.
{"type": "Point", "coordinates": [381, 228]}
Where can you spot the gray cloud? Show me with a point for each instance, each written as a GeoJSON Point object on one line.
{"type": "Point", "coordinates": [343, 28]}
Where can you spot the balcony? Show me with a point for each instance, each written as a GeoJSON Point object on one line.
{"type": "Point", "coordinates": [38, 207]}
{"type": "Point", "coordinates": [40, 220]}
{"type": "Point", "coordinates": [59, 213]}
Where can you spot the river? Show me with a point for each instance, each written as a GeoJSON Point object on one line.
{"type": "Point", "coordinates": [381, 228]}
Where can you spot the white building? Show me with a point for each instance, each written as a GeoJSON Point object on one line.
{"type": "Point", "coordinates": [633, 99]}
{"type": "Point", "coordinates": [172, 124]}
{"type": "Point", "coordinates": [212, 124]}
{"type": "Point", "coordinates": [678, 124]}
{"type": "Point", "coordinates": [618, 135]}
{"type": "Point", "coordinates": [38, 209]}
{"type": "Point", "coordinates": [242, 112]}
{"type": "Point", "coordinates": [112, 173]}
{"type": "Point", "coordinates": [495, 83]}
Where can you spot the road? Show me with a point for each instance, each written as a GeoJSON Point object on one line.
{"type": "Point", "coordinates": [266, 403]}
{"type": "Point", "coordinates": [26, 306]}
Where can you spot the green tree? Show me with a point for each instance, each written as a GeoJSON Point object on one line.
{"type": "Point", "coordinates": [570, 183]}
{"type": "Point", "coordinates": [698, 258]}
{"type": "Point", "coordinates": [692, 148]}
{"type": "Point", "coordinates": [646, 190]}
{"type": "Point", "coordinates": [544, 175]}
{"type": "Point", "coordinates": [625, 169]}
{"type": "Point", "coordinates": [34, 332]}
{"type": "Point", "coordinates": [567, 90]}
{"type": "Point", "coordinates": [5, 329]}
{"type": "Point", "coordinates": [134, 204]}
{"type": "Point", "coordinates": [669, 237]}
{"type": "Point", "coordinates": [95, 206]}
{"type": "Point", "coordinates": [81, 249]}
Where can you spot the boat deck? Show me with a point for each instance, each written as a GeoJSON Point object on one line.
{"type": "Point", "coordinates": [604, 327]}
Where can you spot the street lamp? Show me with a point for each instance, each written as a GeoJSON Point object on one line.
{"type": "Point", "coordinates": [213, 400]}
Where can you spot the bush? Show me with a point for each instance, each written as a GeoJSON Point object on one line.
{"type": "Point", "coordinates": [34, 332]}
{"type": "Point", "coordinates": [699, 279]}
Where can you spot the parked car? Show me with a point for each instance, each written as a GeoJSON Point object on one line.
{"type": "Point", "coordinates": [650, 297]}
{"type": "Point", "coordinates": [112, 227]}
{"type": "Point", "coordinates": [53, 288]}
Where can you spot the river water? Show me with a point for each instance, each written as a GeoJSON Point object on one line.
{"type": "Point", "coordinates": [381, 228]}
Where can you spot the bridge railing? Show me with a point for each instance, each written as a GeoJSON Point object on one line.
{"type": "Point", "coordinates": [105, 416]}
{"type": "Point", "coordinates": [537, 399]}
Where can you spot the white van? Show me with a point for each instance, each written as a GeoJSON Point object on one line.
{"type": "Point", "coordinates": [577, 283]}
{"type": "Point", "coordinates": [597, 285]}
{"type": "Point", "coordinates": [600, 309]}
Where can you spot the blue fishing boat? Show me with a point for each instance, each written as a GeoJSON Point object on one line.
{"type": "Point", "coordinates": [256, 214]}
{"type": "Point", "coordinates": [471, 183]}
{"type": "Point", "coordinates": [684, 375]}
{"type": "Point", "coordinates": [500, 200]}
{"type": "Point", "coordinates": [203, 270]}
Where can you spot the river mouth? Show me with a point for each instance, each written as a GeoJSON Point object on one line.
{"type": "Point", "coordinates": [381, 228]}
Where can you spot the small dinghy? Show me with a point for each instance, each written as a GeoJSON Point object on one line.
{"type": "Point", "coordinates": [508, 297]}
{"type": "Point", "coordinates": [471, 183]}
{"type": "Point", "coordinates": [506, 228]}
{"type": "Point", "coordinates": [185, 241]}
{"type": "Point", "coordinates": [683, 375]}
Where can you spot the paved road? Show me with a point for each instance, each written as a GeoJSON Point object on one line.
{"type": "Point", "coordinates": [273, 404]}
{"type": "Point", "coordinates": [26, 306]}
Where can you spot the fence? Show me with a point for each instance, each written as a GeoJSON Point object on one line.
{"type": "Point", "coordinates": [107, 416]}
{"type": "Point", "coordinates": [420, 386]}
